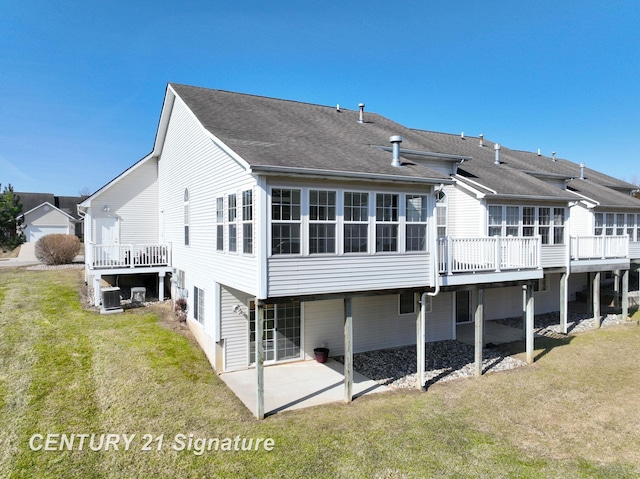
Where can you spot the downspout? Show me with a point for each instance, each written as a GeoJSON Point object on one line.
{"type": "Point", "coordinates": [423, 298]}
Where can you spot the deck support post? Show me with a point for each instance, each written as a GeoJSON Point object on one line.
{"type": "Point", "coordinates": [479, 329]}
{"type": "Point", "coordinates": [96, 289]}
{"type": "Point", "coordinates": [161, 275]}
{"type": "Point", "coordinates": [529, 323]}
{"type": "Point", "coordinates": [625, 294]}
{"type": "Point", "coordinates": [616, 289]}
{"type": "Point", "coordinates": [259, 359]}
{"type": "Point", "coordinates": [564, 301]}
{"type": "Point", "coordinates": [595, 294]}
{"type": "Point", "coordinates": [348, 351]}
{"type": "Point", "coordinates": [420, 345]}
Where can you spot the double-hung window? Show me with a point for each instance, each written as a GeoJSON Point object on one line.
{"type": "Point", "coordinates": [513, 221]}
{"type": "Point", "coordinates": [558, 226]}
{"type": "Point", "coordinates": [495, 220]}
{"type": "Point", "coordinates": [198, 304]}
{"type": "Point", "coordinates": [387, 222]}
{"type": "Point", "coordinates": [610, 218]}
{"type": "Point", "coordinates": [285, 221]}
{"type": "Point", "coordinates": [631, 227]}
{"type": "Point", "coordinates": [528, 221]}
{"type": "Point", "coordinates": [544, 224]}
{"type": "Point", "coordinates": [247, 221]}
{"type": "Point", "coordinates": [599, 224]}
{"type": "Point", "coordinates": [322, 221]}
{"type": "Point", "coordinates": [620, 224]}
{"type": "Point", "coordinates": [233, 227]}
{"type": "Point", "coordinates": [220, 224]}
{"type": "Point", "coordinates": [416, 223]}
{"type": "Point", "coordinates": [356, 222]}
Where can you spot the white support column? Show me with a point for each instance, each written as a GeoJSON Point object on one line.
{"type": "Point", "coordinates": [625, 294]}
{"type": "Point", "coordinates": [96, 289]}
{"type": "Point", "coordinates": [348, 351]}
{"type": "Point", "coordinates": [420, 345]}
{"type": "Point", "coordinates": [595, 294]}
{"type": "Point", "coordinates": [259, 360]}
{"type": "Point", "coordinates": [616, 289]}
{"type": "Point", "coordinates": [529, 322]}
{"type": "Point", "coordinates": [479, 329]}
{"type": "Point", "coordinates": [161, 275]}
{"type": "Point", "coordinates": [564, 301]}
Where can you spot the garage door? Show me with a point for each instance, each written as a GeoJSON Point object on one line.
{"type": "Point", "coordinates": [34, 233]}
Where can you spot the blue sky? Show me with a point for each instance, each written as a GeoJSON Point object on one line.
{"type": "Point", "coordinates": [83, 82]}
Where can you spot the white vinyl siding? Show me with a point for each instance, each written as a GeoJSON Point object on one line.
{"type": "Point", "coordinates": [234, 328]}
{"type": "Point", "coordinates": [465, 214]}
{"type": "Point", "coordinates": [211, 174]}
{"type": "Point", "coordinates": [134, 200]}
{"type": "Point", "coordinates": [335, 274]}
{"type": "Point", "coordinates": [376, 324]}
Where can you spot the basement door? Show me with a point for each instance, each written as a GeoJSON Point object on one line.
{"type": "Point", "coordinates": [463, 307]}
{"type": "Point", "coordinates": [281, 338]}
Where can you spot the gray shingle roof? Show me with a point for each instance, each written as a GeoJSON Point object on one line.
{"type": "Point", "coordinates": [273, 133]}
{"type": "Point", "coordinates": [268, 132]}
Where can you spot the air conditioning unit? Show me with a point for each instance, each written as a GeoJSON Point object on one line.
{"type": "Point", "coordinates": [138, 294]}
{"type": "Point", "coordinates": [110, 300]}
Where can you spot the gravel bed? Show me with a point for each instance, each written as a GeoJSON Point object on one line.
{"type": "Point", "coordinates": [577, 322]}
{"type": "Point", "coordinates": [445, 360]}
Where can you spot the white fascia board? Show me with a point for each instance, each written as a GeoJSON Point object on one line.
{"type": "Point", "coordinates": [589, 202]}
{"type": "Point", "coordinates": [464, 179]}
{"type": "Point", "coordinates": [467, 187]}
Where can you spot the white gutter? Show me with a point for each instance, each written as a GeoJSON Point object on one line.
{"type": "Point", "coordinates": [312, 172]}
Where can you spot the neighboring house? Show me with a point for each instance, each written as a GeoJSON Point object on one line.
{"type": "Point", "coordinates": [44, 213]}
{"type": "Point", "coordinates": [331, 227]}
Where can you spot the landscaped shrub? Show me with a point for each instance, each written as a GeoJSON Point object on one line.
{"type": "Point", "coordinates": [57, 249]}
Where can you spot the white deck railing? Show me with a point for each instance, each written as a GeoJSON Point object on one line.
{"type": "Point", "coordinates": [129, 256]}
{"type": "Point", "coordinates": [470, 255]}
{"type": "Point", "coordinates": [599, 247]}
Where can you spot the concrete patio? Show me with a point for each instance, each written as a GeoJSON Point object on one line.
{"type": "Point", "coordinates": [494, 333]}
{"type": "Point", "coordinates": [297, 385]}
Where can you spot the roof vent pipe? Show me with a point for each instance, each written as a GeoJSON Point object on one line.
{"type": "Point", "coordinates": [462, 135]}
{"type": "Point", "coordinates": [481, 136]}
{"type": "Point", "coordinates": [361, 106]}
{"type": "Point", "coordinates": [538, 151]}
{"type": "Point", "coordinates": [395, 141]}
{"type": "Point", "coordinates": [497, 148]}
{"type": "Point", "coordinates": [582, 171]}
{"type": "Point", "coordinates": [553, 156]}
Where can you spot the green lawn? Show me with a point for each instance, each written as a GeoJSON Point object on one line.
{"type": "Point", "coordinates": [64, 370]}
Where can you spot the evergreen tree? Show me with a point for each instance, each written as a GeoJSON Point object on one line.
{"type": "Point", "coordinates": [10, 208]}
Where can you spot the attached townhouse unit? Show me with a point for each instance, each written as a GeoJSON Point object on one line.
{"type": "Point", "coordinates": [290, 226]}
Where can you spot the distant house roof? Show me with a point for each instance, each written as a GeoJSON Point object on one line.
{"type": "Point", "coordinates": [66, 204]}
{"type": "Point", "coordinates": [46, 205]}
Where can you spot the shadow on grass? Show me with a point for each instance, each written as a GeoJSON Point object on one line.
{"type": "Point", "coordinates": [544, 343]}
